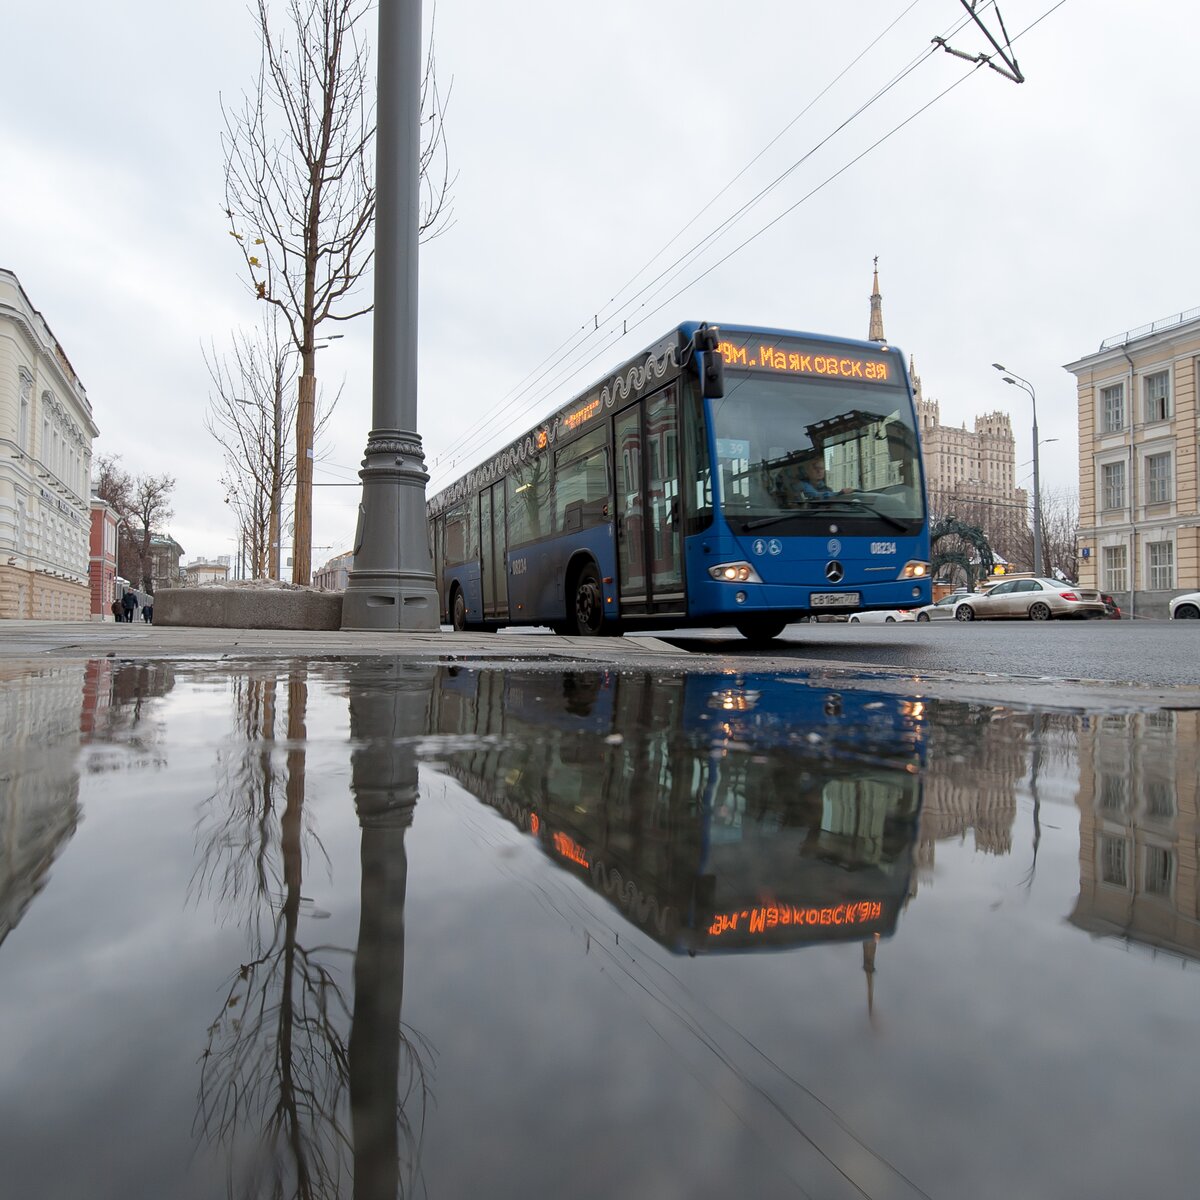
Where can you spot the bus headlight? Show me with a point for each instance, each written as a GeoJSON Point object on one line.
{"type": "Point", "coordinates": [734, 572]}
{"type": "Point", "coordinates": [915, 569]}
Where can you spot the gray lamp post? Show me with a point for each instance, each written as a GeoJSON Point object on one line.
{"type": "Point", "coordinates": [1016, 380]}
{"type": "Point", "coordinates": [391, 585]}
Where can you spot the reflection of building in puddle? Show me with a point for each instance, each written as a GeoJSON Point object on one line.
{"type": "Point", "coordinates": [715, 812]}
{"type": "Point", "coordinates": [976, 757]}
{"type": "Point", "coordinates": [39, 780]}
{"type": "Point", "coordinates": [46, 715]}
{"type": "Point", "coordinates": [1139, 778]}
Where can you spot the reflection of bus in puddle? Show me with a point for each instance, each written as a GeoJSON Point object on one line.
{"type": "Point", "coordinates": [717, 812]}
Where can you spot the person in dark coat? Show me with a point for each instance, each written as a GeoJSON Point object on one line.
{"type": "Point", "coordinates": [129, 603]}
{"type": "Point", "coordinates": [118, 611]}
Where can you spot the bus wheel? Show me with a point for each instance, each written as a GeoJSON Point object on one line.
{"type": "Point", "coordinates": [589, 602]}
{"type": "Point", "coordinates": [761, 630]}
{"type": "Point", "coordinates": [458, 611]}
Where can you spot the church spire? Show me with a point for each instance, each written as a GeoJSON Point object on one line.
{"type": "Point", "coordinates": [875, 333]}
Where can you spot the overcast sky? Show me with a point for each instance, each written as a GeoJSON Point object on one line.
{"type": "Point", "coordinates": [1013, 223]}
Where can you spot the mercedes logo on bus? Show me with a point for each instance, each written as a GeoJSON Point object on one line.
{"type": "Point", "coordinates": [834, 571]}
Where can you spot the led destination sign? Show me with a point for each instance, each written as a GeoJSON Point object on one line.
{"type": "Point", "coordinates": [770, 917]}
{"type": "Point", "coordinates": [789, 359]}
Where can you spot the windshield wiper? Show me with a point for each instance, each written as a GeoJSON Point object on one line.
{"type": "Point", "coordinates": [829, 502]}
{"type": "Point", "coordinates": [856, 502]}
{"type": "Point", "coordinates": [763, 522]}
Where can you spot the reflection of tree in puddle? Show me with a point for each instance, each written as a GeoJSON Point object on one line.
{"type": "Point", "coordinates": [302, 1090]}
{"type": "Point", "coordinates": [122, 729]}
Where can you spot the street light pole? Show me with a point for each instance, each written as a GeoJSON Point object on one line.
{"type": "Point", "coordinates": [391, 585]}
{"type": "Point", "coordinates": [1016, 380]}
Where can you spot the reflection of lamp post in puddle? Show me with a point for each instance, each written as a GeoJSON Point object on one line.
{"type": "Point", "coordinates": [387, 713]}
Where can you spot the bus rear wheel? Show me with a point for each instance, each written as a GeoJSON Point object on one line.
{"type": "Point", "coordinates": [761, 630]}
{"type": "Point", "coordinates": [588, 613]}
{"type": "Point", "coordinates": [458, 611]}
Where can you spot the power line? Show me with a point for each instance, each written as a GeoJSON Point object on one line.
{"type": "Point", "coordinates": [572, 361]}
{"type": "Point", "coordinates": [588, 328]}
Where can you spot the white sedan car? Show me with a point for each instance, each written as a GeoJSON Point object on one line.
{"type": "Point", "coordinates": [940, 610]}
{"type": "Point", "coordinates": [1186, 607]}
{"type": "Point", "coordinates": [1038, 599]}
{"type": "Point", "coordinates": [888, 617]}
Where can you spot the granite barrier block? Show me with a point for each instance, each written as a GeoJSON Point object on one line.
{"type": "Point", "coordinates": [248, 608]}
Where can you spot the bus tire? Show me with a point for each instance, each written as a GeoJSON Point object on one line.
{"type": "Point", "coordinates": [761, 630]}
{"type": "Point", "coordinates": [587, 603]}
{"type": "Point", "coordinates": [458, 610]}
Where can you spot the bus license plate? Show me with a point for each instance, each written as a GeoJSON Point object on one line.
{"type": "Point", "coordinates": [834, 600]}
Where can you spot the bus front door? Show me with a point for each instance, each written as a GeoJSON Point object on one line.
{"type": "Point", "coordinates": [649, 532]}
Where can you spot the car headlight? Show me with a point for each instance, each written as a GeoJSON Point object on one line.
{"type": "Point", "coordinates": [914, 569]}
{"type": "Point", "coordinates": [734, 572]}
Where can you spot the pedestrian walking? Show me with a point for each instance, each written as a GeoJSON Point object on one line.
{"type": "Point", "coordinates": [148, 610]}
{"type": "Point", "coordinates": [118, 610]}
{"type": "Point", "coordinates": [129, 603]}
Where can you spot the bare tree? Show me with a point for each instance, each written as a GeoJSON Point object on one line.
{"type": "Point", "coordinates": [300, 188]}
{"type": "Point", "coordinates": [113, 484]}
{"type": "Point", "coordinates": [151, 512]}
{"type": "Point", "coordinates": [251, 415]}
{"type": "Point", "coordinates": [142, 507]}
{"type": "Point", "coordinates": [1060, 531]}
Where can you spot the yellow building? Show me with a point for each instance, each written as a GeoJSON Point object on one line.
{"type": "Point", "coordinates": [1138, 504]}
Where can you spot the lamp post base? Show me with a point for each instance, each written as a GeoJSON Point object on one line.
{"type": "Point", "coordinates": [391, 585]}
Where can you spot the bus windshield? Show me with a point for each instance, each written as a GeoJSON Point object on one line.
{"type": "Point", "coordinates": [792, 452]}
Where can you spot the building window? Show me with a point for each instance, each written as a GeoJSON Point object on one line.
{"type": "Point", "coordinates": [1112, 401]}
{"type": "Point", "coordinates": [1158, 479]}
{"type": "Point", "coordinates": [1116, 568]}
{"type": "Point", "coordinates": [1160, 558]}
{"type": "Point", "coordinates": [1158, 396]}
{"type": "Point", "coordinates": [1113, 484]}
{"type": "Point", "coordinates": [1160, 799]}
{"type": "Point", "coordinates": [1112, 861]}
{"type": "Point", "coordinates": [1160, 869]}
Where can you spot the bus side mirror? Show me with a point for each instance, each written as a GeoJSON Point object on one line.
{"type": "Point", "coordinates": [709, 362]}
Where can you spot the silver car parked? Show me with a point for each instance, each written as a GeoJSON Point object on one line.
{"type": "Point", "coordinates": [1034, 599]}
{"type": "Point", "coordinates": [940, 610]}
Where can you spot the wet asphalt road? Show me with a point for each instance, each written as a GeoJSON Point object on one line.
{"type": "Point", "coordinates": [1153, 653]}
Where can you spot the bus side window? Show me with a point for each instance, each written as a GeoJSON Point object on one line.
{"type": "Point", "coordinates": [581, 483]}
{"type": "Point", "coordinates": [458, 535]}
{"type": "Point", "coordinates": [530, 510]}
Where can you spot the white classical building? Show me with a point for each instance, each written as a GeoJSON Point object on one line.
{"type": "Point", "coordinates": [46, 435]}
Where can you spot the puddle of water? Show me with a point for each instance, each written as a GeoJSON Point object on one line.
{"type": "Point", "coordinates": [366, 929]}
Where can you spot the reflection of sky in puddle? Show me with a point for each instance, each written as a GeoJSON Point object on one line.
{"type": "Point", "coordinates": [533, 933]}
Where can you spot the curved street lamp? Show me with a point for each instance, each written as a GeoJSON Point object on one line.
{"type": "Point", "coordinates": [1017, 381]}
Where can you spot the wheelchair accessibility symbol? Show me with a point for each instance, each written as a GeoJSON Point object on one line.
{"type": "Point", "coordinates": [767, 546]}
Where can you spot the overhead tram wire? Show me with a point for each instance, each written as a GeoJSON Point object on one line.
{"type": "Point", "coordinates": [824, 91]}
{"type": "Point", "coordinates": [591, 326]}
{"type": "Point", "coordinates": [574, 359]}
{"type": "Point", "coordinates": [576, 364]}
{"type": "Point", "coordinates": [462, 447]}
{"type": "Point", "coordinates": [633, 324]}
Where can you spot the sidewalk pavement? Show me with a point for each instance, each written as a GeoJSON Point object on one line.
{"type": "Point", "coordinates": [79, 639]}
{"type": "Point", "coordinates": [27, 642]}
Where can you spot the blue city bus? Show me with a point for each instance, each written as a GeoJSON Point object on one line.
{"type": "Point", "coordinates": [685, 489]}
{"type": "Point", "coordinates": [690, 803]}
